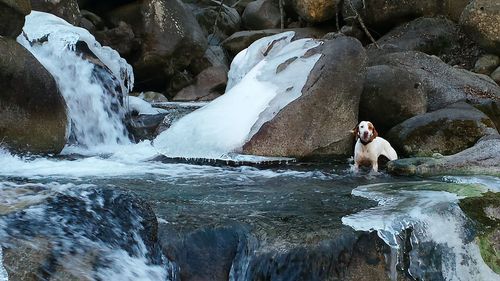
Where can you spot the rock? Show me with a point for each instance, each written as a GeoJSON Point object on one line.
{"type": "Point", "coordinates": [455, 8]}
{"type": "Point", "coordinates": [65, 9]}
{"type": "Point", "coordinates": [481, 159]}
{"type": "Point", "coordinates": [210, 84]}
{"type": "Point", "coordinates": [433, 36]}
{"type": "Point", "coordinates": [214, 56]}
{"type": "Point", "coordinates": [492, 109]}
{"type": "Point", "coordinates": [442, 83]}
{"type": "Point", "coordinates": [208, 12]}
{"type": "Point", "coordinates": [315, 11]}
{"type": "Point", "coordinates": [486, 64]}
{"type": "Point", "coordinates": [32, 110]}
{"type": "Point", "coordinates": [242, 39]}
{"type": "Point", "coordinates": [496, 75]}
{"type": "Point", "coordinates": [481, 19]}
{"type": "Point", "coordinates": [144, 126]}
{"type": "Point", "coordinates": [96, 20]}
{"type": "Point", "coordinates": [170, 40]}
{"type": "Point", "coordinates": [153, 97]}
{"type": "Point", "coordinates": [12, 15]}
{"type": "Point", "coordinates": [318, 122]}
{"type": "Point", "coordinates": [445, 131]}
{"type": "Point", "coordinates": [390, 96]}
{"type": "Point", "coordinates": [261, 14]}
{"type": "Point", "coordinates": [175, 111]}
{"type": "Point", "coordinates": [120, 38]}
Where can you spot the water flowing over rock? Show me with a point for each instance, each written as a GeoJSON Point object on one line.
{"type": "Point", "coordinates": [263, 79]}
{"type": "Point", "coordinates": [12, 15]}
{"type": "Point", "coordinates": [94, 80]}
{"type": "Point", "coordinates": [319, 121]}
{"type": "Point", "coordinates": [32, 111]}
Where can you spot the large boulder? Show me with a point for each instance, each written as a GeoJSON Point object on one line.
{"type": "Point", "coordinates": [390, 96]}
{"type": "Point", "coordinates": [261, 14]}
{"type": "Point", "coordinates": [481, 19]}
{"type": "Point", "coordinates": [65, 9]}
{"type": "Point", "coordinates": [32, 111]}
{"type": "Point", "coordinates": [483, 159]}
{"type": "Point", "coordinates": [445, 131]}
{"type": "Point", "coordinates": [170, 37]}
{"type": "Point", "coordinates": [442, 83]}
{"type": "Point", "coordinates": [12, 13]}
{"type": "Point", "coordinates": [318, 122]}
{"type": "Point", "coordinates": [210, 12]}
{"type": "Point", "coordinates": [315, 11]}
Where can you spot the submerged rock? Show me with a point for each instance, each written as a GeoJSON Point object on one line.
{"type": "Point", "coordinates": [32, 110]}
{"type": "Point", "coordinates": [12, 15]}
{"type": "Point", "coordinates": [445, 131]}
{"type": "Point", "coordinates": [480, 20]}
{"type": "Point", "coordinates": [319, 121]}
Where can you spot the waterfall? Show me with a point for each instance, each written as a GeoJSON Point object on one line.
{"type": "Point", "coordinates": [94, 80]}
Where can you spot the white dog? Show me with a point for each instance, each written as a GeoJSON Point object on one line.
{"type": "Point", "coordinates": [369, 146]}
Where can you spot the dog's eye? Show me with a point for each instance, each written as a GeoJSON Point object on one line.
{"type": "Point", "coordinates": [362, 127]}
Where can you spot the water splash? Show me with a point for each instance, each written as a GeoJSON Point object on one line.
{"type": "Point", "coordinates": [93, 80]}
{"type": "Point", "coordinates": [442, 246]}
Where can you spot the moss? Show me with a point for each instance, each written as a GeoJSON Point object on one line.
{"type": "Point", "coordinates": [490, 252]}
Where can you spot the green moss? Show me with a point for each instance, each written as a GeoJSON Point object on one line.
{"type": "Point", "coordinates": [489, 252]}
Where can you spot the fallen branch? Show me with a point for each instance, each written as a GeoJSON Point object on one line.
{"type": "Point", "coordinates": [363, 26]}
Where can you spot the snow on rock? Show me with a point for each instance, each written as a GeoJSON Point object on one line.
{"type": "Point", "coordinates": [263, 79]}
{"type": "Point", "coordinates": [142, 107]}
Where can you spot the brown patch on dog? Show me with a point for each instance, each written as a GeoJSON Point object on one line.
{"type": "Point", "coordinates": [372, 129]}
{"type": "Point", "coordinates": [355, 132]}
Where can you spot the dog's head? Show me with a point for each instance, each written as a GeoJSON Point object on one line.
{"type": "Point", "coordinates": [365, 131]}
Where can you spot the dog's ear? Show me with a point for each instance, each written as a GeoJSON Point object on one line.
{"type": "Point", "coordinates": [375, 133]}
{"type": "Point", "coordinates": [355, 132]}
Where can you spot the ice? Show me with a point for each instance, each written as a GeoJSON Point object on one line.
{"type": "Point", "coordinates": [263, 79]}
{"type": "Point", "coordinates": [142, 107]}
{"type": "Point", "coordinates": [435, 219]}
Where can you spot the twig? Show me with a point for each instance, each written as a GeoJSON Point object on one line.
{"type": "Point", "coordinates": [363, 26]}
{"type": "Point", "coordinates": [282, 14]}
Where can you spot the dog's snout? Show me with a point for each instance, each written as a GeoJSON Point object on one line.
{"type": "Point", "coordinates": [365, 134]}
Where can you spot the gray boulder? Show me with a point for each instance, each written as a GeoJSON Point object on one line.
{"type": "Point", "coordinates": [443, 84]}
{"type": "Point", "coordinates": [481, 19]}
{"type": "Point", "coordinates": [482, 159]}
{"type": "Point", "coordinates": [318, 122]}
{"type": "Point", "coordinates": [32, 111]}
{"type": "Point", "coordinates": [261, 14]}
{"type": "Point", "coordinates": [445, 131]}
{"type": "Point", "coordinates": [65, 9]}
{"type": "Point", "coordinates": [170, 38]}
{"type": "Point", "coordinates": [12, 13]}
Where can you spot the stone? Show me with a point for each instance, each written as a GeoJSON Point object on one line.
{"type": "Point", "coordinates": [481, 21]}
{"type": "Point", "coordinates": [315, 11]}
{"type": "Point", "coordinates": [242, 39]}
{"type": "Point", "coordinates": [481, 159]}
{"type": "Point", "coordinates": [170, 38]}
{"type": "Point", "coordinates": [153, 97]}
{"type": "Point", "coordinates": [261, 14]}
{"type": "Point", "coordinates": [214, 56]}
{"type": "Point", "coordinates": [120, 38]}
{"type": "Point", "coordinates": [65, 9]}
{"type": "Point", "coordinates": [12, 13]}
{"type": "Point", "coordinates": [210, 84]}
{"type": "Point", "coordinates": [93, 18]}
{"type": "Point", "coordinates": [208, 12]}
{"type": "Point", "coordinates": [32, 110]}
{"type": "Point", "coordinates": [319, 122]}
{"type": "Point", "coordinates": [486, 64]}
{"type": "Point", "coordinates": [144, 126]}
{"type": "Point", "coordinates": [446, 131]}
{"type": "Point", "coordinates": [390, 96]}
{"type": "Point", "coordinates": [443, 84]}
{"type": "Point", "coordinates": [496, 75]}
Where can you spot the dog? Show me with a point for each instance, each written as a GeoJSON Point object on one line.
{"type": "Point", "coordinates": [369, 146]}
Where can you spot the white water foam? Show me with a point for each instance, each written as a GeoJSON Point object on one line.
{"type": "Point", "coordinates": [263, 79]}
{"type": "Point", "coordinates": [95, 104]}
{"type": "Point", "coordinates": [434, 217]}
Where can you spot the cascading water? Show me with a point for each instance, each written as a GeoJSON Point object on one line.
{"type": "Point", "coordinates": [95, 93]}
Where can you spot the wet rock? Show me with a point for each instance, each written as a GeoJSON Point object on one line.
{"type": "Point", "coordinates": [443, 84]}
{"type": "Point", "coordinates": [65, 9]}
{"type": "Point", "coordinates": [145, 126]}
{"type": "Point", "coordinates": [120, 38]}
{"type": "Point", "coordinates": [445, 131]}
{"type": "Point", "coordinates": [318, 122]}
{"type": "Point", "coordinates": [481, 19]}
{"type": "Point", "coordinates": [32, 111]}
{"type": "Point", "coordinates": [175, 111]}
{"type": "Point", "coordinates": [242, 39]}
{"type": "Point", "coordinates": [261, 14]}
{"type": "Point", "coordinates": [486, 64]}
{"type": "Point", "coordinates": [170, 37]}
{"type": "Point", "coordinates": [481, 159]}
{"type": "Point", "coordinates": [315, 11]}
{"type": "Point", "coordinates": [390, 96]}
{"type": "Point", "coordinates": [12, 15]}
{"type": "Point", "coordinates": [210, 84]}
{"type": "Point", "coordinates": [496, 75]}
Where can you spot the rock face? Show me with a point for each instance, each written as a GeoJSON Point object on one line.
{"type": "Point", "coordinates": [210, 84]}
{"type": "Point", "coordinates": [390, 96]}
{"type": "Point", "coordinates": [445, 131]}
{"type": "Point", "coordinates": [32, 111]}
{"type": "Point", "coordinates": [442, 83]}
{"type": "Point", "coordinates": [12, 13]}
{"type": "Point", "coordinates": [208, 12]}
{"type": "Point", "coordinates": [65, 9]}
{"type": "Point", "coordinates": [481, 159]}
{"type": "Point", "coordinates": [170, 36]}
{"type": "Point", "coordinates": [316, 10]}
{"type": "Point", "coordinates": [481, 19]}
{"type": "Point", "coordinates": [261, 14]}
{"type": "Point", "coordinates": [318, 123]}
{"type": "Point", "coordinates": [120, 38]}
